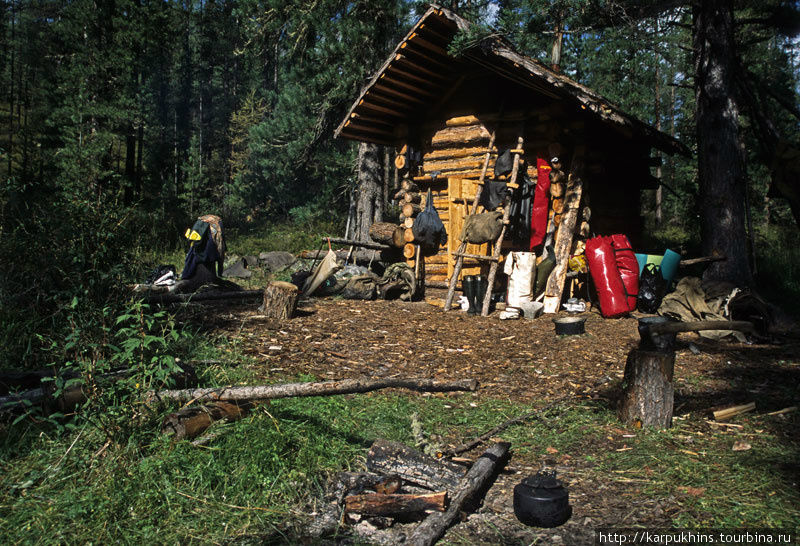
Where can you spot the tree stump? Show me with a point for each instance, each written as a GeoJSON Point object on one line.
{"type": "Point", "coordinates": [649, 396]}
{"type": "Point", "coordinates": [280, 299]}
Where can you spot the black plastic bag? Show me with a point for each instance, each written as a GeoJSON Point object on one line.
{"type": "Point", "coordinates": [429, 231]}
{"type": "Point", "coordinates": [652, 288]}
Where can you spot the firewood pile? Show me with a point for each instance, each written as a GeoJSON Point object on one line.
{"type": "Point", "coordinates": [407, 496]}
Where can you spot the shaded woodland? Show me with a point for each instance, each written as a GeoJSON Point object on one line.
{"type": "Point", "coordinates": [121, 121]}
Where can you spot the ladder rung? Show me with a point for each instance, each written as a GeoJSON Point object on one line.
{"type": "Point", "coordinates": [477, 257]}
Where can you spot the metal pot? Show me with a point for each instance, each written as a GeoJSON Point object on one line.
{"type": "Point", "coordinates": [570, 326]}
{"type": "Point", "coordinates": [542, 501]}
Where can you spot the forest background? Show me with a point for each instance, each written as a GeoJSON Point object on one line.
{"type": "Point", "coordinates": [121, 121]}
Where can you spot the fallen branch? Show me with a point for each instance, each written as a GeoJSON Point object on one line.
{"type": "Point", "coordinates": [463, 448]}
{"type": "Point", "coordinates": [435, 525]}
{"type": "Point", "coordinates": [727, 413]}
{"type": "Point", "coordinates": [701, 260]}
{"type": "Point", "coordinates": [676, 327]}
{"type": "Point", "coordinates": [325, 388]}
{"type": "Point", "coordinates": [204, 296]}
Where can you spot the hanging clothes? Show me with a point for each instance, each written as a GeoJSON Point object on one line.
{"type": "Point", "coordinates": [519, 228]}
{"type": "Point", "coordinates": [541, 203]}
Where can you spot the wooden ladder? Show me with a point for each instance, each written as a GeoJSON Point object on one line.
{"type": "Point", "coordinates": [494, 259]}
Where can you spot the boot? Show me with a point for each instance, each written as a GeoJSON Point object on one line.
{"type": "Point", "coordinates": [481, 285]}
{"type": "Point", "coordinates": [470, 287]}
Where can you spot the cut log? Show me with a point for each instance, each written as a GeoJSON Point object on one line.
{"type": "Point", "coordinates": [212, 295]}
{"type": "Point", "coordinates": [324, 388]}
{"type": "Point", "coordinates": [408, 235]}
{"type": "Point", "coordinates": [435, 269]}
{"type": "Point", "coordinates": [409, 251]}
{"type": "Point", "coordinates": [412, 197]}
{"type": "Point", "coordinates": [408, 223]}
{"type": "Point", "coordinates": [411, 209]}
{"type": "Point", "coordinates": [409, 185]}
{"type": "Point", "coordinates": [377, 504]}
{"type": "Point", "coordinates": [727, 413]}
{"type": "Point", "coordinates": [192, 421]}
{"type": "Point", "coordinates": [649, 396]}
{"type": "Point", "coordinates": [383, 232]}
{"type": "Point", "coordinates": [280, 300]}
{"type": "Point", "coordinates": [412, 466]}
{"type": "Point", "coordinates": [435, 525]}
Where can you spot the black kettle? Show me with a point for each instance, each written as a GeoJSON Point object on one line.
{"type": "Point", "coordinates": [542, 501]}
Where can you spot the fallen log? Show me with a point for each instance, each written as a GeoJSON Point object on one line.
{"type": "Point", "coordinates": [204, 296]}
{"type": "Point", "coordinates": [363, 256]}
{"type": "Point", "coordinates": [702, 260]}
{"type": "Point", "coordinates": [190, 422]}
{"type": "Point", "coordinates": [380, 504]}
{"type": "Point", "coordinates": [412, 466]}
{"type": "Point", "coordinates": [324, 388]}
{"type": "Point", "coordinates": [435, 525]}
{"type": "Point", "coordinates": [677, 327]}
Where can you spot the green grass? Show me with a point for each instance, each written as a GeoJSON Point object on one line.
{"type": "Point", "coordinates": [267, 469]}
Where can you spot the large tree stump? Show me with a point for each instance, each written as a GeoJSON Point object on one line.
{"type": "Point", "coordinates": [280, 299]}
{"type": "Point", "coordinates": [649, 396]}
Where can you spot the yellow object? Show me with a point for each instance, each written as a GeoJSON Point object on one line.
{"type": "Point", "coordinates": [192, 235]}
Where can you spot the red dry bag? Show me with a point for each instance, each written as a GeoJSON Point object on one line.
{"type": "Point", "coordinates": [606, 277]}
{"type": "Point", "coordinates": [628, 267]}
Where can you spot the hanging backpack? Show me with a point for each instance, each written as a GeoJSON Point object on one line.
{"type": "Point", "coordinates": [429, 231]}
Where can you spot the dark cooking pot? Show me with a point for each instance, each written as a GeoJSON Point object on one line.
{"type": "Point", "coordinates": [655, 341]}
{"type": "Point", "coordinates": [569, 326]}
{"type": "Point", "coordinates": [542, 501]}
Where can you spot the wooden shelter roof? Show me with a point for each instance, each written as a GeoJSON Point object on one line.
{"type": "Point", "coordinates": [419, 76]}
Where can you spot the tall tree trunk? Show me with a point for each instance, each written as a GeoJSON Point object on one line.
{"type": "Point", "coordinates": [657, 115]}
{"type": "Point", "coordinates": [720, 158]}
{"type": "Point", "coordinates": [369, 189]}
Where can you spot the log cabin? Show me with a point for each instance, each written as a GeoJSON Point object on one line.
{"type": "Point", "coordinates": [440, 113]}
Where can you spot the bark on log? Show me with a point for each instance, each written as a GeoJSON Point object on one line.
{"type": "Point", "coordinates": [411, 209]}
{"type": "Point", "coordinates": [191, 422]}
{"type": "Point", "coordinates": [378, 504]}
{"type": "Point", "coordinates": [204, 296]}
{"type": "Point", "coordinates": [435, 525]}
{"type": "Point", "coordinates": [383, 232]}
{"type": "Point", "coordinates": [435, 269]}
{"type": "Point", "coordinates": [324, 388]}
{"type": "Point", "coordinates": [412, 197]}
{"type": "Point", "coordinates": [555, 282]}
{"type": "Point", "coordinates": [649, 396]}
{"type": "Point", "coordinates": [280, 300]}
{"type": "Point", "coordinates": [409, 185]}
{"type": "Point", "coordinates": [362, 256]}
{"type": "Point", "coordinates": [412, 466]}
